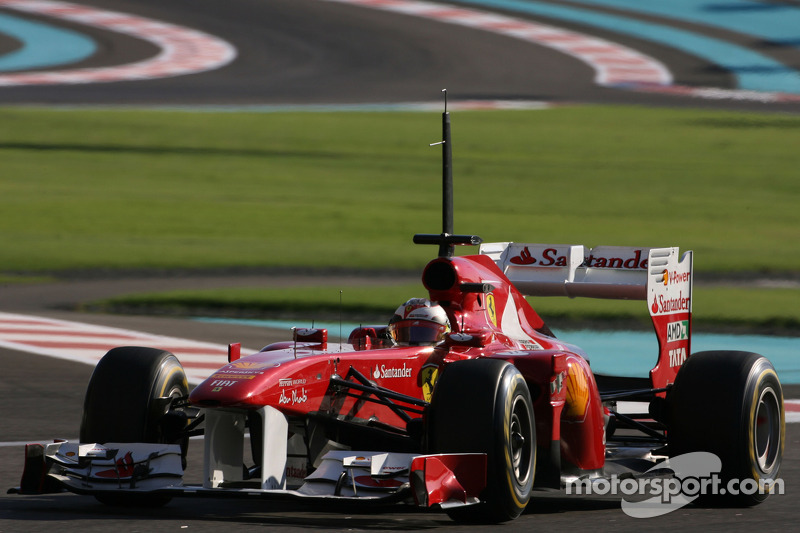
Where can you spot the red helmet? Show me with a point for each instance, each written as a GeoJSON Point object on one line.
{"type": "Point", "coordinates": [418, 322]}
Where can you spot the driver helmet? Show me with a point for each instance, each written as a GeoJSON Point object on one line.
{"type": "Point", "coordinates": [418, 322]}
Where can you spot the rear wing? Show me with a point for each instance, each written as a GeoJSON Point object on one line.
{"type": "Point", "coordinates": [658, 275]}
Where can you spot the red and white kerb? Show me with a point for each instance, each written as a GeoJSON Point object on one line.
{"type": "Point", "coordinates": [614, 64]}
{"type": "Point", "coordinates": [182, 50]}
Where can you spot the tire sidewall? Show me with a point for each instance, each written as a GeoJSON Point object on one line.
{"type": "Point", "coordinates": [169, 382]}
{"type": "Point", "coordinates": [471, 412]}
{"type": "Point", "coordinates": [762, 380]}
{"type": "Point", "coordinates": [512, 391]}
{"type": "Point", "coordinates": [712, 408]}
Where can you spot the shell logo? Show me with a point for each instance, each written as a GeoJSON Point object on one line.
{"type": "Point", "coordinates": [577, 393]}
{"type": "Point", "coordinates": [247, 365]}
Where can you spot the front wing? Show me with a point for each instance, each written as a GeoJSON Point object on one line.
{"type": "Point", "coordinates": [445, 480]}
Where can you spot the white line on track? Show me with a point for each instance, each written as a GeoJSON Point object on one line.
{"type": "Point", "coordinates": [87, 343]}
{"type": "Point", "coordinates": [182, 50]}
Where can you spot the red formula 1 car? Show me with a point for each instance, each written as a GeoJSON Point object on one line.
{"type": "Point", "coordinates": [466, 401]}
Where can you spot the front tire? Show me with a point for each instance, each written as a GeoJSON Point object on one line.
{"type": "Point", "coordinates": [484, 406]}
{"type": "Point", "coordinates": [730, 404]}
{"type": "Point", "coordinates": [127, 400]}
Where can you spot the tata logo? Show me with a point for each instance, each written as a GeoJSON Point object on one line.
{"type": "Point", "coordinates": [677, 357]}
{"type": "Point", "coordinates": [678, 331]}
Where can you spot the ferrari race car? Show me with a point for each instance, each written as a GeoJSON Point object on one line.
{"type": "Point", "coordinates": [466, 401]}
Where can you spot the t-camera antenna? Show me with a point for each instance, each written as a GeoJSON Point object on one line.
{"type": "Point", "coordinates": [446, 240]}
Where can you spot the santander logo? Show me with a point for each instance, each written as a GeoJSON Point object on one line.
{"type": "Point", "coordinates": [385, 372]}
{"type": "Point", "coordinates": [670, 305]}
{"type": "Point", "coordinates": [635, 260]}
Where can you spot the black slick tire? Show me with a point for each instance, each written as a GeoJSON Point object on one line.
{"type": "Point", "coordinates": [484, 406]}
{"type": "Point", "coordinates": [126, 401]}
{"type": "Point", "coordinates": [730, 403]}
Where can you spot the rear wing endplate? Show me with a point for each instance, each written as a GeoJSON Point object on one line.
{"type": "Point", "coordinates": [659, 275]}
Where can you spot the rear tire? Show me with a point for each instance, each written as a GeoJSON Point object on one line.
{"type": "Point", "coordinates": [730, 404]}
{"type": "Point", "coordinates": [484, 406]}
{"type": "Point", "coordinates": [127, 399]}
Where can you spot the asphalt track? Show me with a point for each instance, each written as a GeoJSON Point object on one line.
{"type": "Point", "coordinates": [301, 52]}
{"type": "Point", "coordinates": [42, 398]}
{"type": "Point", "coordinates": [322, 52]}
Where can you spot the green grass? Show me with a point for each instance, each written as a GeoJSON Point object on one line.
{"type": "Point", "coordinates": [158, 190]}
{"type": "Point", "coordinates": [155, 189]}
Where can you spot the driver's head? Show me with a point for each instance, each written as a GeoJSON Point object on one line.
{"type": "Point", "coordinates": [418, 322]}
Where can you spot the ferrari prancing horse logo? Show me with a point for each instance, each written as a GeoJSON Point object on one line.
{"type": "Point", "coordinates": [427, 379]}
{"type": "Point", "coordinates": [490, 308]}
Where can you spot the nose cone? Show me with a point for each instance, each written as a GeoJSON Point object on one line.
{"type": "Point", "coordinates": [293, 381]}
{"type": "Point", "coordinates": [235, 383]}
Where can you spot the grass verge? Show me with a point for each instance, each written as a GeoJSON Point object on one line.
{"type": "Point", "coordinates": [157, 189]}
{"type": "Point", "coordinates": [178, 190]}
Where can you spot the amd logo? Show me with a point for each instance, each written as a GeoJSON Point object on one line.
{"type": "Point", "coordinates": [678, 331]}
